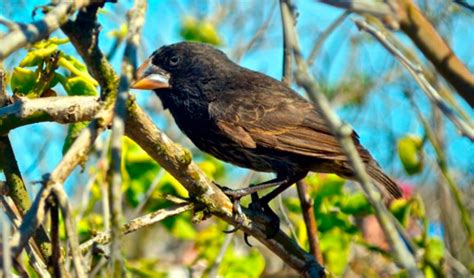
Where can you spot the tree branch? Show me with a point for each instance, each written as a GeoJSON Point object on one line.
{"type": "Point", "coordinates": [40, 29]}
{"type": "Point", "coordinates": [309, 220]}
{"type": "Point", "coordinates": [136, 19]}
{"type": "Point", "coordinates": [435, 49]}
{"type": "Point", "coordinates": [343, 134]}
{"type": "Point", "coordinates": [465, 128]}
{"type": "Point", "coordinates": [177, 162]}
{"type": "Point", "coordinates": [15, 184]}
{"type": "Point", "coordinates": [137, 224]}
{"type": "Point", "coordinates": [26, 111]}
{"type": "Point", "coordinates": [83, 33]}
{"type": "Point", "coordinates": [71, 232]}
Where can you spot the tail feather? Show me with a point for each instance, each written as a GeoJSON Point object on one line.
{"type": "Point", "coordinates": [385, 184]}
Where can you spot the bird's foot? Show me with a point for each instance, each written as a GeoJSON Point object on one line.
{"type": "Point", "coordinates": [270, 218]}
{"type": "Point", "coordinates": [264, 214]}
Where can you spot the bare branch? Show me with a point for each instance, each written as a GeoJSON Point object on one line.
{"type": "Point", "coordinates": [376, 8]}
{"type": "Point", "coordinates": [177, 162]}
{"type": "Point", "coordinates": [83, 33]}
{"type": "Point", "coordinates": [213, 269]}
{"type": "Point", "coordinates": [343, 134]}
{"type": "Point", "coordinates": [35, 258]}
{"type": "Point", "coordinates": [308, 216]}
{"type": "Point", "coordinates": [324, 35]}
{"type": "Point", "coordinates": [58, 109]}
{"type": "Point", "coordinates": [136, 18]}
{"type": "Point", "coordinates": [465, 128]}
{"type": "Point", "coordinates": [435, 49]}
{"type": "Point", "coordinates": [40, 29]}
{"type": "Point", "coordinates": [31, 222]}
{"type": "Point", "coordinates": [240, 51]}
{"type": "Point", "coordinates": [287, 57]}
{"type": "Point", "coordinates": [137, 224]}
{"type": "Point", "coordinates": [443, 167]}
{"type": "Point", "coordinates": [15, 184]}
{"type": "Point", "coordinates": [66, 209]}
{"type": "Point", "coordinates": [55, 259]}
{"type": "Point", "coordinates": [6, 257]}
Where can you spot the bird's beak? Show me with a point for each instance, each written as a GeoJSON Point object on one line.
{"type": "Point", "coordinates": [150, 77]}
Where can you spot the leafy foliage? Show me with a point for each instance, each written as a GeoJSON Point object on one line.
{"type": "Point", "coordinates": [411, 153]}
{"type": "Point", "coordinates": [200, 30]}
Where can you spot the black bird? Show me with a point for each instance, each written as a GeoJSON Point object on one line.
{"type": "Point", "coordinates": [249, 119]}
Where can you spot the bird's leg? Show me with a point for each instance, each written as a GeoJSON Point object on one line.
{"type": "Point", "coordinates": [253, 188]}
{"type": "Point", "coordinates": [236, 195]}
{"type": "Point", "coordinates": [262, 204]}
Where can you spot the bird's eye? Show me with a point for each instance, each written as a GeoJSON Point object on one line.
{"type": "Point", "coordinates": [174, 61]}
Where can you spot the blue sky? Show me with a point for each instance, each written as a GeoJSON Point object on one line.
{"type": "Point", "coordinates": [385, 108]}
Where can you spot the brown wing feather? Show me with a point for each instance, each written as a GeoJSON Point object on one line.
{"type": "Point", "coordinates": [278, 121]}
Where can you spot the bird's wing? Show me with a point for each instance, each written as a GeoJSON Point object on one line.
{"type": "Point", "coordinates": [279, 120]}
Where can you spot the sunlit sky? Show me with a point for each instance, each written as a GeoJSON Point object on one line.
{"type": "Point", "coordinates": [38, 147]}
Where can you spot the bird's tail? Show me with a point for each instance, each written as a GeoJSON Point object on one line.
{"type": "Point", "coordinates": [387, 186]}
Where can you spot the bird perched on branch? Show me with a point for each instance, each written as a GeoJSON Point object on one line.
{"type": "Point", "coordinates": [249, 119]}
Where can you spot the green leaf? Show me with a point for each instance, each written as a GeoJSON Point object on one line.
{"type": "Point", "coordinates": [37, 56]}
{"type": "Point", "coordinates": [52, 41]}
{"type": "Point", "coordinates": [334, 220]}
{"type": "Point", "coordinates": [410, 153]}
{"type": "Point", "coordinates": [76, 68]}
{"type": "Point", "coordinates": [292, 204]}
{"type": "Point", "coordinates": [79, 86]}
{"type": "Point", "coordinates": [326, 186]}
{"type": "Point", "coordinates": [251, 265]}
{"type": "Point", "coordinates": [193, 29]}
{"type": "Point", "coordinates": [23, 80]}
{"type": "Point", "coordinates": [434, 250]}
{"type": "Point", "coordinates": [356, 204]}
{"type": "Point", "coordinates": [401, 208]}
{"type": "Point", "coordinates": [335, 247]}
{"type": "Point", "coordinates": [180, 226]}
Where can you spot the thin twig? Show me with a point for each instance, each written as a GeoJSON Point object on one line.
{"type": "Point", "coordinates": [306, 206]}
{"type": "Point", "coordinates": [464, 4]}
{"type": "Point", "coordinates": [287, 55]}
{"type": "Point", "coordinates": [6, 257]}
{"type": "Point", "coordinates": [71, 232]}
{"type": "Point", "coordinates": [55, 243]}
{"type": "Point", "coordinates": [240, 51]}
{"type": "Point", "coordinates": [58, 109]}
{"type": "Point", "coordinates": [287, 219]}
{"type": "Point", "coordinates": [443, 167]}
{"type": "Point", "coordinates": [31, 222]}
{"type": "Point", "coordinates": [214, 268]}
{"type": "Point", "coordinates": [465, 128]}
{"type": "Point", "coordinates": [310, 221]}
{"type": "Point", "coordinates": [343, 134]}
{"type": "Point", "coordinates": [177, 162]}
{"type": "Point", "coordinates": [137, 224]}
{"type": "Point", "coordinates": [148, 193]}
{"type": "Point", "coordinates": [40, 29]}
{"type": "Point", "coordinates": [376, 8]}
{"type": "Point", "coordinates": [35, 258]}
{"type": "Point", "coordinates": [324, 35]}
{"type": "Point", "coordinates": [136, 19]}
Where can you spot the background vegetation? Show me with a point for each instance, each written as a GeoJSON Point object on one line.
{"type": "Point", "coordinates": [424, 142]}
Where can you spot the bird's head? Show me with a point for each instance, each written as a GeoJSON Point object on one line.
{"type": "Point", "coordinates": [184, 61]}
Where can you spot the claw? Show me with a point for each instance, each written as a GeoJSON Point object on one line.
{"type": "Point", "coordinates": [246, 239]}
{"type": "Point", "coordinates": [237, 213]}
